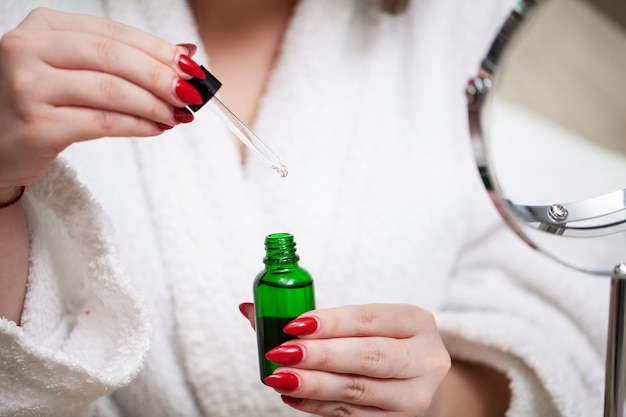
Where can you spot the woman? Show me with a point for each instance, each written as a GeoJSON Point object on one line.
{"type": "Point", "coordinates": [366, 108]}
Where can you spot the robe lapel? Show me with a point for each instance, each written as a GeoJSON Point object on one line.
{"type": "Point", "coordinates": [212, 215]}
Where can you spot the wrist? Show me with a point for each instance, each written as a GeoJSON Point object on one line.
{"type": "Point", "coordinates": [10, 195]}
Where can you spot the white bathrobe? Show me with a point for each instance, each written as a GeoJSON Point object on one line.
{"type": "Point", "coordinates": [142, 250]}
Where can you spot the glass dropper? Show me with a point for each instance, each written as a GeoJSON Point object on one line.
{"type": "Point", "coordinates": [207, 89]}
{"type": "Point", "coordinates": [247, 137]}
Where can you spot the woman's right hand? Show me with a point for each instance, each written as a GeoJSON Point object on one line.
{"type": "Point", "coordinates": [66, 78]}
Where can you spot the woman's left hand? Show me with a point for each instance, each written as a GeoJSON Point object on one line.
{"type": "Point", "coordinates": [364, 360]}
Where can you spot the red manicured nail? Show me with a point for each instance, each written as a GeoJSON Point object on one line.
{"type": "Point", "coordinates": [244, 307]}
{"type": "Point", "coordinates": [187, 93]}
{"type": "Point", "coordinates": [189, 66]}
{"type": "Point", "coordinates": [190, 47]}
{"type": "Point", "coordinates": [292, 400]}
{"type": "Point", "coordinates": [285, 355]}
{"type": "Point", "coordinates": [282, 380]}
{"type": "Point", "coordinates": [301, 327]}
{"type": "Point", "coordinates": [163, 126]}
{"type": "Point", "coordinates": [183, 115]}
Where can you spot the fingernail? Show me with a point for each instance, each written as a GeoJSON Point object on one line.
{"type": "Point", "coordinates": [190, 47]}
{"type": "Point", "coordinates": [243, 307]}
{"type": "Point", "coordinates": [292, 400]}
{"type": "Point", "coordinates": [187, 93]}
{"type": "Point", "coordinates": [282, 380]}
{"type": "Point", "coordinates": [163, 126]}
{"type": "Point", "coordinates": [183, 115]}
{"type": "Point", "coordinates": [301, 327]}
{"type": "Point", "coordinates": [189, 66]}
{"type": "Point", "coordinates": [285, 355]}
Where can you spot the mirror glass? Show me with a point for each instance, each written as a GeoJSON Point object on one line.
{"type": "Point", "coordinates": [552, 126]}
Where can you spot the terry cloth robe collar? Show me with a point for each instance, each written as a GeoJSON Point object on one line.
{"type": "Point", "coordinates": [194, 172]}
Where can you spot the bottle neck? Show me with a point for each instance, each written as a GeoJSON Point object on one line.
{"type": "Point", "coordinates": [280, 251]}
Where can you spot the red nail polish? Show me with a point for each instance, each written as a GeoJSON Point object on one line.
{"type": "Point", "coordinates": [187, 93]}
{"type": "Point", "coordinates": [190, 47]}
{"type": "Point", "coordinates": [282, 380]}
{"type": "Point", "coordinates": [163, 126]}
{"type": "Point", "coordinates": [190, 67]}
{"type": "Point", "coordinates": [301, 327]}
{"type": "Point", "coordinates": [292, 400]}
{"type": "Point", "coordinates": [183, 115]}
{"type": "Point", "coordinates": [243, 307]}
{"type": "Point", "coordinates": [285, 355]}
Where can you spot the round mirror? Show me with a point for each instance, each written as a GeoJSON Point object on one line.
{"type": "Point", "coordinates": [548, 115]}
{"type": "Point", "coordinates": [548, 121]}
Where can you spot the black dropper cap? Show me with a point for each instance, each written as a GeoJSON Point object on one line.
{"type": "Point", "coordinates": [207, 88]}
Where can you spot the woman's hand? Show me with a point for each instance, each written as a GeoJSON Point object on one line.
{"type": "Point", "coordinates": [367, 360]}
{"type": "Point", "coordinates": [68, 77]}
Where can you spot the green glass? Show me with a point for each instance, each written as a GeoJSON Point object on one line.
{"type": "Point", "coordinates": [282, 291]}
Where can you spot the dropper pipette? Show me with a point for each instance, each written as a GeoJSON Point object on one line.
{"type": "Point", "coordinates": [207, 89]}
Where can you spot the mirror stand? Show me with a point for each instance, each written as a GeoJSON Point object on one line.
{"type": "Point", "coordinates": [559, 68]}
{"type": "Point", "coordinates": [614, 397]}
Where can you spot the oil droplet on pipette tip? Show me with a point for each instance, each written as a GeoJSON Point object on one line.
{"type": "Point", "coordinates": [281, 170]}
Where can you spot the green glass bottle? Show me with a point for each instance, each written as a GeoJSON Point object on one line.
{"type": "Point", "coordinates": [282, 291]}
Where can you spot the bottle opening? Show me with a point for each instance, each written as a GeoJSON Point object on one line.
{"type": "Point", "coordinates": [280, 247]}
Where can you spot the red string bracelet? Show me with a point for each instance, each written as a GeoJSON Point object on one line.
{"type": "Point", "coordinates": [15, 200]}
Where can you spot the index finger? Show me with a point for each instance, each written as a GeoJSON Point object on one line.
{"type": "Point", "coordinates": [160, 49]}
{"type": "Point", "coordinates": [384, 320]}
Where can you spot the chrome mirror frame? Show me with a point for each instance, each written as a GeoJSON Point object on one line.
{"type": "Point", "coordinates": [585, 218]}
